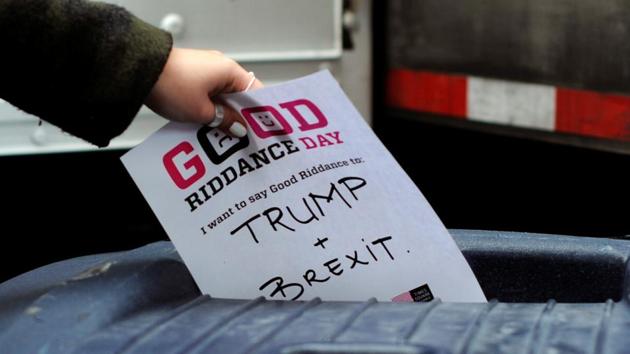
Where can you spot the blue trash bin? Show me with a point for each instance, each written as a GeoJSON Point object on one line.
{"type": "Point", "coordinates": [553, 294]}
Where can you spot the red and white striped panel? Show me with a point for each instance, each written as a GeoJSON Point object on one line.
{"type": "Point", "coordinates": [524, 105]}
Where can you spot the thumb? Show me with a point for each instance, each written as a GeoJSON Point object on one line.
{"type": "Point", "coordinates": [243, 80]}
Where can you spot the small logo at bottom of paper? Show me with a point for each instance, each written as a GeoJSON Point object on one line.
{"type": "Point", "coordinates": [420, 294]}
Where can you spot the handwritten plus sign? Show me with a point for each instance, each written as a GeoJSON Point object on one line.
{"type": "Point", "coordinates": [320, 242]}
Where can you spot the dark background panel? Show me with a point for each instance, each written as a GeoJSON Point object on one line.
{"type": "Point", "coordinates": [476, 180]}
{"type": "Point", "coordinates": [60, 206]}
{"type": "Point", "coordinates": [562, 42]}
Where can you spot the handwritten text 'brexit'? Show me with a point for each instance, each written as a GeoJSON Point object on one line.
{"type": "Point", "coordinates": [334, 268]}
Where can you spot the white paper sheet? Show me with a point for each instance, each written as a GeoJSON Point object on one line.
{"type": "Point", "coordinates": [309, 204]}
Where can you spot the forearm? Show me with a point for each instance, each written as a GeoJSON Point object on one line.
{"type": "Point", "coordinates": [83, 66]}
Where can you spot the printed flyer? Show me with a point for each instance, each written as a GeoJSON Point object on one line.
{"type": "Point", "coordinates": [309, 204]}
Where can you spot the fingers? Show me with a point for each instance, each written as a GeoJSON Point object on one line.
{"type": "Point", "coordinates": [232, 122]}
{"type": "Point", "coordinates": [223, 117]}
{"type": "Point", "coordinates": [237, 79]}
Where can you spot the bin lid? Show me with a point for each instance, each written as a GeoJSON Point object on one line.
{"type": "Point", "coordinates": [145, 301]}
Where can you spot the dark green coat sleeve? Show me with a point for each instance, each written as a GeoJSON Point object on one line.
{"type": "Point", "coordinates": [84, 66]}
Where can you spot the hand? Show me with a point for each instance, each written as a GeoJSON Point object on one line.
{"type": "Point", "coordinates": [187, 88]}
